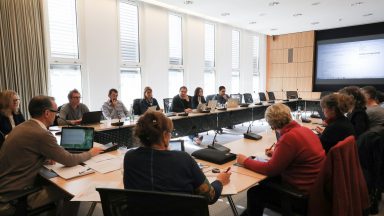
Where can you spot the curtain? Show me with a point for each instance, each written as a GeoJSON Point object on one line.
{"type": "Point", "coordinates": [23, 62]}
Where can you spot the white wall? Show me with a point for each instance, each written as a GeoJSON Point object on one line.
{"type": "Point", "coordinates": [101, 38]}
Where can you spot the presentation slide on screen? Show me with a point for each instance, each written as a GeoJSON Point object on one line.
{"type": "Point", "coordinates": [350, 59]}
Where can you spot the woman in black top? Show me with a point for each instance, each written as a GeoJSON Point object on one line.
{"type": "Point", "coordinates": [10, 115]}
{"type": "Point", "coordinates": [154, 167]}
{"type": "Point", "coordinates": [198, 98]}
{"type": "Point", "coordinates": [148, 101]}
{"type": "Point", "coordinates": [358, 116]}
{"type": "Point", "coordinates": [338, 126]}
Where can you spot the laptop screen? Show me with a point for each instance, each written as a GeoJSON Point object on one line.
{"type": "Point", "coordinates": [77, 138]}
{"type": "Point", "coordinates": [176, 145]}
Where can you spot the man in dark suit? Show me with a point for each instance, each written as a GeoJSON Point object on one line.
{"type": "Point", "coordinates": [182, 102]}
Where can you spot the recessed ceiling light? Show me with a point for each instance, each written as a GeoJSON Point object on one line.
{"type": "Point", "coordinates": [340, 19]}
{"type": "Point", "coordinates": [357, 4]}
{"type": "Point", "coordinates": [368, 14]}
{"type": "Point", "coordinates": [315, 3]}
{"type": "Point", "coordinates": [315, 23]}
{"type": "Point", "coordinates": [273, 29]}
{"type": "Point", "coordinates": [274, 3]}
{"type": "Point", "coordinates": [188, 2]}
{"type": "Point", "coordinates": [262, 14]}
{"type": "Point", "coordinates": [225, 14]}
{"type": "Point", "coordinates": [297, 14]}
{"type": "Point", "coordinates": [252, 22]}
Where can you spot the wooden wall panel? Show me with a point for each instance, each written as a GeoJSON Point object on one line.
{"type": "Point", "coordinates": [289, 84]}
{"type": "Point", "coordinates": [275, 84]}
{"type": "Point", "coordinates": [290, 70]}
{"type": "Point", "coordinates": [304, 69]}
{"type": "Point", "coordinates": [277, 70]}
{"type": "Point", "coordinates": [305, 54]}
{"type": "Point", "coordinates": [304, 84]}
{"type": "Point", "coordinates": [306, 39]}
{"type": "Point", "coordinates": [277, 56]}
{"type": "Point", "coordinates": [315, 95]}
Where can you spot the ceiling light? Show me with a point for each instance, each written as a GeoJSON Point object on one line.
{"type": "Point", "coordinates": [252, 22]}
{"type": "Point", "coordinates": [315, 23]}
{"type": "Point", "coordinates": [297, 14]}
{"type": "Point", "coordinates": [273, 29]}
{"type": "Point", "coordinates": [262, 14]}
{"type": "Point", "coordinates": [357, 4]}
{"type": "Point", "coordinates": [225, 14]}
{"type": "Point", "coordinates": [340, 19]}
{"type": "Point", "coordinates": [274, 3]}
{"type": "Point", "coordinates": [368, 14]}
{"type": "Point", "coordinates": [188, 2]}
{"type": "Point", "coordinates": [315, 3]}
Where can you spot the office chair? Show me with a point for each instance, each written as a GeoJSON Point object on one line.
{"type": "Point", "coordinates": [292, 95]}
{"type": "Point", "coordinates": [210, 97]}
{"type": "Point", "coordinates": [262, 96]}
{"type": "Point", "coordinates": [136, 106]}
{"type": "Point", "coordinates": [167, 104]}
{"type": "Point", "coordinates": [248, 98]}
{"type": "Point", "coordinates": [127, 202]}
{"type": "Point", "coordinates": [239, 97]}
{"type": "Point", "coordinates": [271, 96]}
{"type": "Point", "coordinates": [325, 93]}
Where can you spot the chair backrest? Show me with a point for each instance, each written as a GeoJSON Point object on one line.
{"type": "Point", "coordinates": [118, 202]}
{"type": "Point", "coordinates": [136, 106]}
{"type": "Point", "coordinates": [292, 95]}
{"type": "Point", "coordinates": [262, 96]}
{"type": "Point", "coordinates": [271, 96]}
{"type": "Point", "coordinates": [248, 98]}
{"type": "Point", "coordinates": [210, 97]}
{"type": "Point", "coordinates": [239, 97]}
{"type": "Point", "coordinates": [167, 104]}
{"type": "Point", "coordinates": [325, 93]}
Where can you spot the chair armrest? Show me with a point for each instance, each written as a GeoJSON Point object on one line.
{"type": "Point", "coordinates": [7, 197]}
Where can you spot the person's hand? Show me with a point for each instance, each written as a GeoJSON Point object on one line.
{"type": "Point", "coordinates": [223, 177]}
{"type": "Point", "coordinates": [75, 122]}
{"type": "Point", "coordinates": [188, 110]}
{"type": "Point", "coordinates": [268, 152]}
{"type": "Point", "coordinates": [114, 103]}
{"type": "Point", "coordinates": [319, 130]}
{"type": "Point", "coordinates": [324, 123]}
{"type": "Point", "coordinates": [49, 162]}
{"type": "Point", "coordinates": [241, 158]}
{"type": "Point", "coordinates": [95, 151]}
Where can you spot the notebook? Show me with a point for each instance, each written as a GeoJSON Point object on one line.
{"type": "Point", "coordinates": [176, 145]}
{"type": "Point", "coordinates": [77, 139]}
{"type": "Point", "coordinates": [91, 117]}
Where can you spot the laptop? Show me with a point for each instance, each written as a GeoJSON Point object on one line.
{"type": "Point", "coordinates": [176, 145]}
{"type": "Point", "coordinates": [232, 103]}
{"type": "Point", "coordinates": [77, 139]}
{"type": "Point", "coordinates": [212, 104]}
{"type": "Point", "coordinates": [91, 117]}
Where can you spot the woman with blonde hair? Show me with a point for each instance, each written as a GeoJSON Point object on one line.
{"type": "Point", "coordinates": [10, 115]}
{"type": "Point", "coordinates": [148, 101]}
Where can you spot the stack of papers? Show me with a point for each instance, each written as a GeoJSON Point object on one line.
{"type": "Point", "coordinates": [69, 172]}
{"type": "Point", "coordinates": [104, 163]}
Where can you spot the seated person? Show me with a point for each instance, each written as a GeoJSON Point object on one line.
{"type": "Point", "coordinates": [357, 115]}
{"type": "Point", "coordinates": [374, 111]}
{"type": "Point", "coordinates": [298, 157]}
{"type": "Point", "coordinates": [338, 126]}
{"type": "Point", "coordinates": [154, 167]}
{"type": "Point", "coordinates": [221, 98]}
{"type": "Point", "coordinates": [113, 108]}
{"type": "Point", "coordinates": [198, 98]}
{"type": "Point", "coordinates": [27, 148]}
{"type": "Point", "coordinates": [148, 101]}
{"type": "Point", "coordinates": [72, 112]}
{"type": "Point", "coordinates": [182, 102]}
{"type": "Point", "coordinates": [10, 114]}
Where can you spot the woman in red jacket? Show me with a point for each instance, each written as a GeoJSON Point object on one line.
{"type": "Point", "coordinates": [297, 159]}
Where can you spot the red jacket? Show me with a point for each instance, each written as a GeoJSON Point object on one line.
{"type": "Point", "coordinates": [298, 157]}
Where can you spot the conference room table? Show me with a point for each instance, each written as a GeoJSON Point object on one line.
{"type": "Point", "coordinates": [83, 188]}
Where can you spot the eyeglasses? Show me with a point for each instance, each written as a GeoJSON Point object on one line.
{"type": "Point", "coordinates": [52, 110]}
{"type": "Point", "coordinates": [76, 97]}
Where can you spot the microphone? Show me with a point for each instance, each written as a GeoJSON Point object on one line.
{"type": "Point", "coordinates": [286, 99]}
{"type": "Point", "coordinates": [252, 136]}
{"type": "Point", "coordinates": [119, 123]}
{"type": "Point", "coordinates": [298, 98]}
{"type": "Point", "coordinates": [218, 147]}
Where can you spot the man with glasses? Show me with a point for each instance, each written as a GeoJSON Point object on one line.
{"type": "Point", "coordinates": [27, 148]}
{"type": "Point", "coordinates": [72, 112]}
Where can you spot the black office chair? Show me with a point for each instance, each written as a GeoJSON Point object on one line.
{"type": "Point", "coordinates": [167, 104]}
{"type": "Point", "coordinates": [271, 96]}
{"type": "Point", "coordinates": [239, 97]}
{"type": "Point", "coordinates": [210, 97]}
{"type": "Point", "coordinates": [262, 96]}
{"type": "Point", "coordinates": [325, 93]}
{"type": "Point", "coordinates": [248, 98]}
{"type": "Point", "coordinates": [118, 202]}
{"type": "Point", "coordinates": [136, 106]}
{"type": "Point", "coordinates": [292, 95]}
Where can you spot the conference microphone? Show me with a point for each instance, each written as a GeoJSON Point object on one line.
{"type": "Point", "coordinates": [250, 135]}
{"type": "Point", "coordinates": [285, 95]}
{"type": "Point", "coordinates": [298, 98]}
{"type": "Point", "coordinates": [119, 123]}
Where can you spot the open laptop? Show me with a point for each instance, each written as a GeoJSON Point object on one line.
{"type": "Point", "coordinates": [232, 103]}
{"type": "Point", "coordinates": [212, 104]}
{"type": "Point", "coordinates": [77, 139]}
{"type": "Point", "coordinates": [91, 117]}
{"type": "Point", "coordinates": [176, 145]}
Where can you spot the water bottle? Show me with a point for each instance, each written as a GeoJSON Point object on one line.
{"type": "Point", "coordinates": [298, 113]}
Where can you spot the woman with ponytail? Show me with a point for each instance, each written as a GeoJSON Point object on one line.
{"type": "Point", "coordinates": [335, 106]}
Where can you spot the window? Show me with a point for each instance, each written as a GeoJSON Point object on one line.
{"type": "Point", "coordinates": [130, 72]}
{"type": "Point", "coordinates": [130, 88]}
{"type": "Point", "coordinates": [255, 64]}
{"type": "Point", "coordinates": [67, 77]}
{"type": "Point", "coordinates": [235, 81]}
{"type": "Point", "coordinates": [209, 59]}
{"type": "Point", "coordinates": [175, 72]}
{"type": "Point", "coordinates": [64, 57]}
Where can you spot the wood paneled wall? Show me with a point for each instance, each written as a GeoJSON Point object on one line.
{"type": "Point", "coordinates": [297, 74]}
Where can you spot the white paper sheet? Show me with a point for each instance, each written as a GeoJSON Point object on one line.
{"type": "Point", "coordinates": [89, 194]}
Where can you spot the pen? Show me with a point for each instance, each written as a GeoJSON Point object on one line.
{"type": "Point", "coordinates": [82, 172]}
{"type": "Point", "coordinates": [227, 169]}
{"type": "Point", "coordinates": [271, 146]}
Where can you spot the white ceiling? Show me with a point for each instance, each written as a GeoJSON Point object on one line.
{"type": "Point", "coordinates": [280, 19]}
